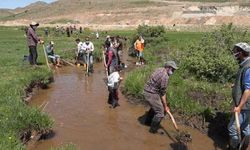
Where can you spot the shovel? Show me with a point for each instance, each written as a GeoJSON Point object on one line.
{"type": "Point", "coordinates": [173, 120]}
{"type": "Point", "coordinates": [237, 124]}
{"type": "Point", "coordinates": [87, 66]}
{"type": "Point", "coordinates": [182, 137]}
{"type": "Point", "coordinates": [68, 62]}
{"type": "Point", "coordinates": [46, 58]}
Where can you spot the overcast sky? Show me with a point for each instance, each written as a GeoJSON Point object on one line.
{"type": "Point", "coordinates": [18, 3]}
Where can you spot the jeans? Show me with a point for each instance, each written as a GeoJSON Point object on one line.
{"type": "Point", "coordinates": [244, 117]}
{"type": "Point", "coordinates": [33, 55]}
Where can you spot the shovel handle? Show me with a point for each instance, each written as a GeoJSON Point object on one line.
{"type": "Point", "coordinates": [46, 57]}
{"type": "Point", "coordinates": [173, 120]}
{"type": "Point", "coordinates": [237, 124]}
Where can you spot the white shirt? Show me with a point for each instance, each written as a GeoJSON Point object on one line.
{"type": "Point", "coordinates": [88, 47]}
{"type": "Point", "coordinates": [79, 47]}
{"type": "Point", "coordinates": [113, 78]}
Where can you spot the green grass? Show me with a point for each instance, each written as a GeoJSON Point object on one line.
{"type": "Point", "coordinates": [16, 75]}
{"type": "Point", "coordinates": [186, 94]}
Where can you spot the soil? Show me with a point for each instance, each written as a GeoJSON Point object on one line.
{"type": "Point", "coordinates": [173, 15]}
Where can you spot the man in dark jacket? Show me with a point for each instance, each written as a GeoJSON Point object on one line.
{"type": "Point", "coordinates": [32, 40]}
{"type": "Point", "coordinates": [155, 95]}
{"type": "Point", "coordinates": [241, 96]}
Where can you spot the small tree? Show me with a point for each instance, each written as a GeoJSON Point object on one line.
{"type": "Point", "coordinates": [211, 58]}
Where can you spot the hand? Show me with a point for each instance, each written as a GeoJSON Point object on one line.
{"type": "Point", "coordinates": [167, 109]}
{"type": "Point", "coordinates": [237, 109]}
{"type": "Point", "coordinates": [41, 42]}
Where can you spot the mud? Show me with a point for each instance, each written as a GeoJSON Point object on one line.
{"type": "Point", "coordinates": [82, 116]}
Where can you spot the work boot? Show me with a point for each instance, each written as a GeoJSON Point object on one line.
{"type": "Point", "coordinates": [149, 117]}
{"type": "Point", "coordinates": [155, 125]}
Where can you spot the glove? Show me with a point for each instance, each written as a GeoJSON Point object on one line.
{"type": "Point", "coordinates": [41, 42]}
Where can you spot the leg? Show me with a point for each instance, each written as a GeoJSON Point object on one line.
{"type": "Point", "coordinates": [245, 126]}
{"type": "Point", "coordinates": [115, 98]}
{"type": "Point", "coordinates": [149, 117]}
{"type": "Point", "coordinates": [31, 55]}
{"type": "Point", "coordinates": [234, 138]}
{"type": "Point", "coordinates": [91, 63]}
{"type": "Point", "coordinates": [155, 125]}
{"type": "Point", "coordinates": [35, 55]}
{"type": "Point", "coordinates": [156, 104]}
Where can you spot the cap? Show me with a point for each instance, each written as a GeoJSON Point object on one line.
{"type": "Point", "coordinates": [33, 23]}
{"type": "Point", "coordinates": [108, 36]}
{"type": "Point", "coordinates": [244, 46]}
{"type": "Point", "coordinates": [171, 64]}
{"type": "Point", "coordinates": [52, 43]}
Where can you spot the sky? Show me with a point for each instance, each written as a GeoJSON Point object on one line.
{"type": "Point", "coordinates": [12, 4]}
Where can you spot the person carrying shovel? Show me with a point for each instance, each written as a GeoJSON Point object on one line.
{"type": "Point", "coordinates": [155, 95]}
{"type": "Point", "coordinates": [32, 40]}
{"type": "Point", "coordinates": [239, 127]}
{"type": "Point", "coordinates": [88, 48]}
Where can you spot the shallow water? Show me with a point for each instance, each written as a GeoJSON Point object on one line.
{"type": "Point", "coordinates": [78, 104]}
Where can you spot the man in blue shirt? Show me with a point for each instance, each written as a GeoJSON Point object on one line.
{"type": "Point", "coordinates": [241, 99]}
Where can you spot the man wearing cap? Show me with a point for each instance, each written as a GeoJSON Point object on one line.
{"type": "Point", "coordinates": [55, 59]}
{"type": "Point", "coordinates": [241, 96]}
{"type": "Point", "coordinates": [32, 40]}
{"type": "Point", "coordinates": [155, 95]}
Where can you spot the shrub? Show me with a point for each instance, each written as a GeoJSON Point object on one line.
{"type": "Point", "coordinates": [211, 58]}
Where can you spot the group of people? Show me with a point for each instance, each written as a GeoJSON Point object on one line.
{"type": "Point", "coordinates": [84, 54]}
{"type": "Point", "coordinates": [113, 64]}
{"type": "Point", "coordinates": [156, 87]}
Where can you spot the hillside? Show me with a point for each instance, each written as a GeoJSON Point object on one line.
{"type": "Point", "coordinates": [129, 13]}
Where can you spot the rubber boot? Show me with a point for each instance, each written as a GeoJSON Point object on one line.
{"type": "Point", "coordinates": [155, 125]}
{"type": "Point", "coordinates": [149, 117]}
{"type": "Point", "coordinates": [114, 103]}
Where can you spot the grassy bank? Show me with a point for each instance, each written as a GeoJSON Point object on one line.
{"type": "Point", "coordinates": [203, 93]}
{"type": "Point", "coordinates": [16, 118]}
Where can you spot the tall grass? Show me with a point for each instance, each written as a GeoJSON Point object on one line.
{"type": "Point", "coordinates": [185, 94]}
{"type": "Point", "coordinates": [16, 118]}
{"type": "Point", "coordinates": [16, 75]}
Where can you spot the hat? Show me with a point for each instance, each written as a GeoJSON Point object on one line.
{"type": "Point", "coordinates": [108, 36]}
{"type": "Point", "coordinates": [52, 43]}
{"type": "Point", "coordinates": [243, 46]}
{"type": "Point", "coordinates": [171, 64]}
{"type": "Point", "coordinates": [33, 23]}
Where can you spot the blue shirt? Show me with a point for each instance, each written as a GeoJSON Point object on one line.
{"type": "Point", "coordinates": [246, 79]}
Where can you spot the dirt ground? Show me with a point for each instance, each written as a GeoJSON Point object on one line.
{"type": "Point", "coordinates": [172, 14]}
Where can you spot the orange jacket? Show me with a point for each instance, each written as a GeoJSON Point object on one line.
{"type": "Point", "coordinates": [139, 45]}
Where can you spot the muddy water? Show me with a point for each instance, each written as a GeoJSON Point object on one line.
{"type": "Point", "coordinates": [82, 117]}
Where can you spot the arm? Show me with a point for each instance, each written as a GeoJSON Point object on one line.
{"type": "Point", "coordinates": [110, 55]}
{"type": "Point", "coordinates": [135, 44]}
{"type": "Point", "coordinates": [246, 93]}
{"type": "Point", "coordinates": [92, 47]}
{"type": "Point", "coordinates": [164, 82]}
{"type": "Point", "coordinates": [33, 35]}
{"type": "Point", "coordinates": [164, 102]}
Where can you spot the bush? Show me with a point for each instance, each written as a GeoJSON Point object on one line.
{"type": "Point", "coordinates": [211, 58]}
{"type": "Point", "coordinates": [151, 33]}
